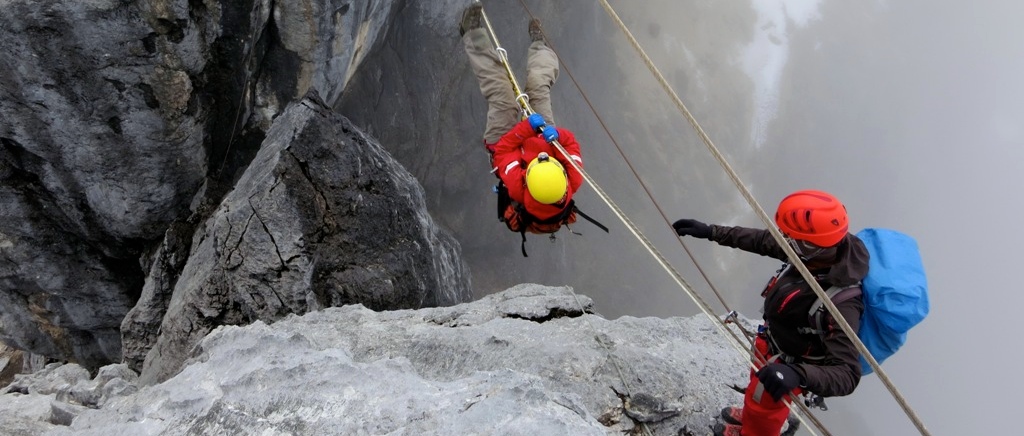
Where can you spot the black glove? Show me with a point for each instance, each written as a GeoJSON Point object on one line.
{"type": "Point", "coordinates": [779, 379]}
{"type": "Point", "coordinates": [688, 227]}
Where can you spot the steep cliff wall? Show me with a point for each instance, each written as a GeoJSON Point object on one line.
{"type": "Point", "coordinates": [126, 123]}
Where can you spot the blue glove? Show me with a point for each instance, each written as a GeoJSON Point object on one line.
{"type": "Point", "coordinates": [536, 121]}
{"type": "Point", "coordinates": [550, 134]}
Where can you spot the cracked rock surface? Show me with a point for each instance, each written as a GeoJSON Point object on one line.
{"type": "Point", "coordinates": [322, 217]}
{"type": "Point", "coordinates": [474, 368]}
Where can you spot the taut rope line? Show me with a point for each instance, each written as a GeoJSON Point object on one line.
{"type": "Point", "coordinates": [794, 259]}
{"type": "Point", "coordinates": [676, 276]}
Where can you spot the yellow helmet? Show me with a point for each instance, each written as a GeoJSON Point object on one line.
{"type": "Point", "coordinates": [545, 178]}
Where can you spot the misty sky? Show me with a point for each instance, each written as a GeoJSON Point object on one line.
{"type": "Point", "coordinates": [910, 111]}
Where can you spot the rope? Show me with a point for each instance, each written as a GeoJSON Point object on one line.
{"type": "Point", "coordinates": [521, 97]}
{"type": "Point", "coordinates": [680, 281]}
{"type": "Point", "coordinates": [794, 259]}
{"type": "Point", "coordinates": [245, 90]}
{"type": "Point", "coordinates": [751, 351]}
{"type": "Point", "coordinates": [523, 100]}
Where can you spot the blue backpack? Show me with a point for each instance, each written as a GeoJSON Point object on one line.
{"type": "Point", "coordinates": [895, 293]}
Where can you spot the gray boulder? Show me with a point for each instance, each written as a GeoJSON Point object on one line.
{"type": "Point", "coordinates": [322, 217]}
{"type": "Point", "coordinates": [57, 394]}
{"type": "Point", "coordinates": [53, 378]}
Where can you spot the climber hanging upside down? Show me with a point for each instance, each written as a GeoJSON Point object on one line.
{"type": "Point", "coordinates": [537, 180]}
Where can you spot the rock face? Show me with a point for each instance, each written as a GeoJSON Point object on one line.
{"type": "Point", "coordinates": [322, 217]}
{"type": "Point", "coordinates": [98, 152]}
{"type": "Point", "coordinates": [125, 123]}
{"type": "Point", "coordinates": [532, 360]}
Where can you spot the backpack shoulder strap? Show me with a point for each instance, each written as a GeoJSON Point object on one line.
{"type": "Point", "coordinates": [524, 219]}
{"type": "Point", "coordinates": [817, 311]}
{"type": "Point", "coordinates": [588, 218]}
{"type": "Point", "coordinates": [523, 244]}
{"type": "Point", "coordinates": [560, 218]}
{"type": "Point", "coordinates": [503, 199]}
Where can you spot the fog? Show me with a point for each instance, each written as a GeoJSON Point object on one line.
{"type": "Point", "coordinates": [909, 111]}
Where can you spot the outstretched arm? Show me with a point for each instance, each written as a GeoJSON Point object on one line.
{"type": "Point", "coordinates": [758, 241]}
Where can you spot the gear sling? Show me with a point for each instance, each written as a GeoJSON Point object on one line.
{"type": "Point", "coordinates": [517, 219]}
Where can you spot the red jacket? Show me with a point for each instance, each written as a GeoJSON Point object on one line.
{"type": "Point", "coordinates": [517, 148]}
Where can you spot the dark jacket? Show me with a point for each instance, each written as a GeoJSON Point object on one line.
{"type": "Point", "coordinates": [789, 299]}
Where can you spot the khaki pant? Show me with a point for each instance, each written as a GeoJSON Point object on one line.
{"type": "Point", "coordinates": [502, 108]}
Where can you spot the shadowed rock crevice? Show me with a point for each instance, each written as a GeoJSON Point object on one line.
{"type": "Point", "coordinates": [226, 85]}
{"type": "Point", "coordinates": [554, 313]}
{"type": "Point", "coordinates": [141, 325]}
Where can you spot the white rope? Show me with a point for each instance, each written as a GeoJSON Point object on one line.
{"type": "Point", "coordinates": [678, 278]}
{"type": "Point", "coordinates": [794, 259]}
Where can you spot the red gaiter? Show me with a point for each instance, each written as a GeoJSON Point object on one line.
{"type": "Point", "coordinates": [763, 416]}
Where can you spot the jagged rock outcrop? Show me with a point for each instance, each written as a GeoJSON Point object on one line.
{"type": "Point", "coordinates": [58, 393]}
{"type": "Point", "coordinates": [322, 217]}
{"type": "Point", "coordinates": [532, 360]}
{"type": "Point", "coordinates": [124, 123]}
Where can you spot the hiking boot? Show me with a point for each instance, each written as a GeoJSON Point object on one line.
{"type": "Point", "coordinates": [536, 32]}
{"type": "Point", "coordinates": [471, 18]}
{"type": "Point", "coordinates": [732, 415]}
{"type": "Point", "coordinates": [726, 430]}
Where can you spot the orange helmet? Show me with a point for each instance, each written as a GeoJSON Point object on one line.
{"type": "Point", "coordinates": [813, 216]}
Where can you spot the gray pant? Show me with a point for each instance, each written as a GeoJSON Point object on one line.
{"type": "Point", "coordinates": [502, 108]}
